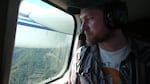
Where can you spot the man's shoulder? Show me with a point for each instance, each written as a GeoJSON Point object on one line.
{"type": "Point", "coordinates": [140, 48]}
{"type": "Point", "coordinates": [138, 44]}
{"type": "Point", "coordinates": [82, 50]}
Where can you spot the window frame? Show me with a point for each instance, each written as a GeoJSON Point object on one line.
{"type": "Point", "coordinates": [11, 22]}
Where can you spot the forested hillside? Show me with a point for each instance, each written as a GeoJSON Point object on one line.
{"type": "Point", "coordinates": [32, 65]}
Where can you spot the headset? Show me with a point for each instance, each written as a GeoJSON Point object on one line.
{"type": "Point", "coordinates": [116, 15]}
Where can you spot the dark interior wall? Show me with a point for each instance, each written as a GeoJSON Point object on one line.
{"type": "Point", "coordinates": [139, 29]}
{"type": "Point", "coordinates": [139, 19]}
{"type": "Point", "coordinates": [8, 19]}
{"type": "Point", "coordinates": [3, 15]}
{"type": "Point", "coordinates": [138, 9]}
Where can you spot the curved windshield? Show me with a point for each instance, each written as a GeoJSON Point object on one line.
{"type": "Point", "coordinates": [42, 44]}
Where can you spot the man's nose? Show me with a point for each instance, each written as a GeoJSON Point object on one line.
{"type": "Point", "coordinates": [84, 26]}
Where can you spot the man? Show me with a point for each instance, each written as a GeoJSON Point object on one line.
{"type": "Point", "coordinates": [110, 57]}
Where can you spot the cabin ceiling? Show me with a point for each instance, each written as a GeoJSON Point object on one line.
{"type": "Point", "coordinates": [137, 9]}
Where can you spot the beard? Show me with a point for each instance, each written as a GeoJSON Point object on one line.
{"type": "Point", "coordinates": [99, 38]}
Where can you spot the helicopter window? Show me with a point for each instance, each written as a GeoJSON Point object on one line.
{"type": "Point", "coordinates": [42, 43]}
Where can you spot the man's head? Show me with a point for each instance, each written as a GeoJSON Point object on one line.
{"type": "Point", "coordinates": [100, 18]}
{"type": "Point", "coordinates": [93, 25]}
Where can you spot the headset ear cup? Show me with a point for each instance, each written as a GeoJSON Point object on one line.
{"type": "Point", "coordinates": [116, 16]}
{"type": "Point", "coordinates": [120, 17]}
{"type": "Point", "coordinates": [109, 18]}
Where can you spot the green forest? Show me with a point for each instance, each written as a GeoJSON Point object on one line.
{"type": "Point", "coordinates": [33, 65]}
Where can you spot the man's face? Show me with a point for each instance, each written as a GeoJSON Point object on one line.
{"type": "Point", "coordinates": [93, 25]}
